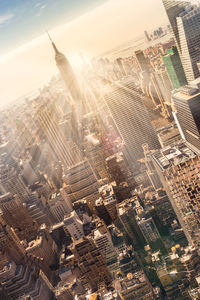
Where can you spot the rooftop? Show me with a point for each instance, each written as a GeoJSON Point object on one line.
{"type": "Point", "coordinates": [35, 243]}
{"type": "Point", "coordinates": [187, 92]}
{"type": "Point", "coordinates": [173, 155]}
{"type": "Point", "coordinates": [169, 133]}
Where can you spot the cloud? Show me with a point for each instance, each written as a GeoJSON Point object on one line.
{"type": "Point", "coordinates": [43, 6]}
{"type": "Point", "coordinates": [5, 18]}
{"type": "Point", "coordinates": [37, 4]}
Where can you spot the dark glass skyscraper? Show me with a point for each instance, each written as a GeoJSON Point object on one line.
{"type": "Point", "coordinates": [174, 68]}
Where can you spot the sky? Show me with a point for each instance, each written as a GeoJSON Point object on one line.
{"type": "Point", "coordinates": [90, 27]}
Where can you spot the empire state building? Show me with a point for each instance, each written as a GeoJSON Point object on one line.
{"type": "Point", "coordinates": [67, 74]}
{"type": "Point", "coordinates": [78, 108]}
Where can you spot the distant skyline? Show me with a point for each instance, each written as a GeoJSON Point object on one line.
{"type": "Point", "coordinates": [91, 27]}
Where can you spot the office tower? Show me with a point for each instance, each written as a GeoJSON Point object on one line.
{"type": "Point", "coordinates": [24, 136]}
{"type": "Point", "coordinates": [109, 200]}
{"type": "Point", "coordinates": [10, 246]}
{"type": "Point", "coordinates": [185, 20]}
{"type": "Point", "coordinates": [74, 226]}
{"type": "Point", "coordinates": [11, 182]}
{"type": "Point", "coordinates": [81, 208]}
{"type": "Point", "coordinates": [91, 263]}
{"type": "Point", "coordinates": [37, 210]}
{"type": "Point", "coordinates": [119, 64]}
{"type": "Point", "coordinates": [42, 188]}
{"type": "Point", "coordinates": [66, 151]}
{"type": "Point", "coordinates": [16, 215]}
{"type": "Point", "coordinates": [119, 170]}
{"type": "Point", "coordinates": [174, 68]}
{"type": "Point", "coordinates": [102, 212]}
{"type": "Point", "coordinates": [150, 232]}
{"type": "Point", "coordinates": [28, 281]}
{"type": "Point", "coordinates": [58, 234]}
{"type": "Point", "coordinates": [10, 174]}
{"type": "Point", "coordinates": [67, 74]}
{"type": "Point", "coordinates": [59, 205]}
{"type": "Point", "coordinates": [80, 182]}
{"type": "Point", "coordinates": [57, 175]}
{"type": "Point", "coordinates": [64, 292]}
{"type": "Point", "coordinates": [127, 224]}
{"type": "Point", "coordinates": [136, 286]}
{"type": "Point", "coordinates": [43, 156]}
{"type": "Point", "coordinates": [173, 9]}
{"type": "Point", "coordinates": [6, 156]}
{"type": "Point", "coordinates": [173, 285]}
{"type": "Point", "coordinates": [70, 290]}
{"type": "Point", "coordinates": [190, 261]}
{"type": "Point", "coordinates": [117, 239]}
{"type": "Point", "coordinates": [178, 169]}
{"type": "Point", "coordinates": [125, 104]}
{"type": "Point", "coordinates": [43, 247]}
{"type": "Point", "coordinates": [162, 87]}
{"type": "Point", "coordinates": [186, 103]}
{"type": "Point", "coordinates": [95, 154]}
{"type": "Point", "coordinates": [142, 61]}
{"type": "Point", "coordinates": [127, 263]}
{"type": "Point", "coordinates": [151, 172]}
{"type": "Point", "coordinates": [169, 135]}
{"type": "Point", "coordinates": [161, 211]}
{"type": "Point", "coordinates": [103, 241]}
{"type": "Point", "coordinates": [28, 173]}
{"type": "Point", "coordinates": [147, 36]}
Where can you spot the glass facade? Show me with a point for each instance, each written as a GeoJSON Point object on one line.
{"type": "Point", "coordinates": [174, 68]}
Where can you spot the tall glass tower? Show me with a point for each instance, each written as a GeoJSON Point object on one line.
{"type": "Point", "coordinates": [131, 118]}
{"type": "Point", "coordinates": [185, 22]}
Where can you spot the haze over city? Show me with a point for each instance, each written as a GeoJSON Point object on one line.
{"type": "Point", "coordinates": [100, 150]}
{"type": "Point", "coordinates": [26, 58]}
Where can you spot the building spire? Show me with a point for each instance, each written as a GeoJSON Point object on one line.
{"type": "Point", "coordinates": [53, 44]}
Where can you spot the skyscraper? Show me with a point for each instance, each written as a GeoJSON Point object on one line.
{"type": "Point", "coordinates": [11, 181]}
{"type": "Point", "coordinates": [29, 281]}
{"type": "Point", "coordinates": [59, 205]}
{"type": "Point", "coordinates": [11, 175]}
{"type": "Point", "coordinates": [131, 118]}
{"type": "Point", "coordinates": [185, 21]}
{"type": "Point", "coordinates": [80, 182]}
{"type": "Point", "coordinates": [186, 102]}
{"type": "Point", "coordinates": [78, 101]}
{"type": "Point", "coordinates": [16, 215]}
{"type": "Point", "coordinates": [66, 152]}
{"type": "Point", "coordinates": [178, 169]}
{"type": "Point", "coordinates": [173, 9]}
{"type": "Point", "coordinates": [91, 263]}
{"type": "Point", "coordinates": [67, 74]}
{"type": "Point", "coordinates": [174, 68]}
{"type": "Point", "coordinates": [10, 246]}
{"type": "Point", "coordinates": [142, 61]}
{"type": "Point", "coordinates": [74, 226]}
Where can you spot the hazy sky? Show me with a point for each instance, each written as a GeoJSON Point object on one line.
{"type": "Point", "coordinates": [87, 26]}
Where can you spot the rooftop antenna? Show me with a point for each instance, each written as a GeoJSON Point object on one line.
{"type": "Point", "coordinates": [53, 44]}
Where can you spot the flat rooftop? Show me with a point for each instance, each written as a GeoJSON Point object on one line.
{"type": "Point", "coordinates": [173, 155]}
{"type": "Point", "coordinates": [188, 92]}
{"type": "Point", "coordinates": [167, 134]}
